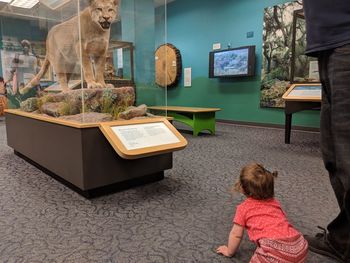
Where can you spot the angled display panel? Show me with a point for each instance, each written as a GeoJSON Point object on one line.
{"type": "Point", "coordinates": [144, 137]}
{"type": "Point", "coordinates": [304, 92]}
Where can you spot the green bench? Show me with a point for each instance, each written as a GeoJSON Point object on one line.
{"type": "Point", "coordinates": [198, 118]}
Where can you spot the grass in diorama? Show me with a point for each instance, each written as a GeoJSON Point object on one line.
{"type": "Point", "coordinates": [68, 108]}
{"type": "Point", "coordinates": [109, 103]}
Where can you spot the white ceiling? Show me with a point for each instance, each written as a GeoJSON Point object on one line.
{"type": "Point", "coordinates": [68, 11]}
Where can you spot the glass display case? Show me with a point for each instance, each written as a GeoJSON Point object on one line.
{"type": "Point", "coordinates": [77, 71]}
{"type": "Point", "coordinates": [81, 60]}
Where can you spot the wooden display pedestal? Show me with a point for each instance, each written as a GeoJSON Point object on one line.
{"type": "Point", "coordinates": [79, 155]}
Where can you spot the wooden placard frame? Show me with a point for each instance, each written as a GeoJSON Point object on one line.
{"type": "Point", "coordinates": [301, 98]}
{"type": "Point", "coordinates": [69, 123]}
{"type": "Point", "coordinates": [118, 146]}
{"type": "Point", "coordinates": [40, 117]}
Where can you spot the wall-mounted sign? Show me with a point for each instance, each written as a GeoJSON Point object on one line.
{"type": "Point", "coordinates": [187, 77]}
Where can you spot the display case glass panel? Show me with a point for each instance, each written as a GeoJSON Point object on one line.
{"type": "Point", "coordinates": [84, 61]}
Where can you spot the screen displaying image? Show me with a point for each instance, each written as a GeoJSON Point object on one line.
{"type": "Point", "coordinates": [231, 62]}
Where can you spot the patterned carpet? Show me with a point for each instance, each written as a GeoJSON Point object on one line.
{"type": "Point", "coordinates": [182, 218]}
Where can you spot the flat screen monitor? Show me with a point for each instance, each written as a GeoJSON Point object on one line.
{"type": "Point", "coordinates": [234, 62]}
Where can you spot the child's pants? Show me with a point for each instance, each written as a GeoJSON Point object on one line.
{"type": "Point", "coordinates": [281, 251]}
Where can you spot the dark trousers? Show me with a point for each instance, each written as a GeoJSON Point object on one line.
{"type": "Point", "coordinates": [334, 67]}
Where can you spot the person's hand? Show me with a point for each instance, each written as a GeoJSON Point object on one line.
{"type": "Point", "coordinates": [224, 251]}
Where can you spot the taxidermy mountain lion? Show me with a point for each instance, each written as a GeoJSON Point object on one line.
{"type": "Point", "coordinates": [63, 45]}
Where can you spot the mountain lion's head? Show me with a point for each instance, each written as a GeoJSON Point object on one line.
{"type": "Point", "coordinates": [103, 12]}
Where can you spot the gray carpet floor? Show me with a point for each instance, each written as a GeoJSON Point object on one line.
{"type": "Point", "coordinates": [182, 218]}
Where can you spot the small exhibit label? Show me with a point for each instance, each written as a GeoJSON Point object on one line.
{"type": "Point", "coordinates": [216, 46]}
{"type": "Point", "coordinates": [250, 34]}
{"type": "Point", "coordinates": [187, 77]}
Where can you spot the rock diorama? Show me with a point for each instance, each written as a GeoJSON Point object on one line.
{"type": "Point", "coordinates": [87, 105]}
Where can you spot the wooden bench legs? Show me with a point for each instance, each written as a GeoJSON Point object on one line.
{"type": "Point", "coordinates": [199, 121]}
{"type": "Point", "coordinates": [203, 121]}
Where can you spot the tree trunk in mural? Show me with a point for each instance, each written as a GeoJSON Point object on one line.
{"type": "Point", "coordinates": [277, 43]}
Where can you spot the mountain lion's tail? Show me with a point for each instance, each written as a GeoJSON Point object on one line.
{"type": "Point", "coordinates": [36, 80]}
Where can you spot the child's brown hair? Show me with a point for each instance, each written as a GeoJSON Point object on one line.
{"type": "Point", "coordinates": [256, 182]}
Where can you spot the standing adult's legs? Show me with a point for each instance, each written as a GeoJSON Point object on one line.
{"type": "Point", "coordinates": [335, 139]}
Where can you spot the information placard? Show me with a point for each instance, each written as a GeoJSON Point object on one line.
{"type": "Point", "coordinates": [145, 135]}
{"type": "Point", "coordinates": [139, 138]}
{"type": "Point", "coordinates": [304, 92]}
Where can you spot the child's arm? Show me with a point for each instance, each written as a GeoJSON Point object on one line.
{"type": "Point", "coordinates": [234, 240]}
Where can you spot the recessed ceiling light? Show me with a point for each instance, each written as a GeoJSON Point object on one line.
{"type": "Point", "coordinates": [24, 3]}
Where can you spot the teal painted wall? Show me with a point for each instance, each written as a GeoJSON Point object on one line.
{"type": "Point", "coordinates": [138, 20]}
{"type": "Point", "coordinates": [144, 40]}
{"type": "Point", "coordinates": [193, 26]}
{"type": "Point", "coordinates": [21, 29]}
{"type": "Point", "coordinates": [149, 33]}
{"type": "Point", "coordinates": [127, 15]}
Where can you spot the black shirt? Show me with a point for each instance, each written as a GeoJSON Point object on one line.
{"type": "Point", "coordinates": [327, 24]}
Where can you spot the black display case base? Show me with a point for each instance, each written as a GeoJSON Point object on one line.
{"type": "Point", "coordinates": [100, 191]}
{"type": "Point", "coordinates": [81, 158]}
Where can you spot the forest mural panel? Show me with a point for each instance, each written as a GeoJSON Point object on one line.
{"type": "Point", "coordinates": [277, 53]}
